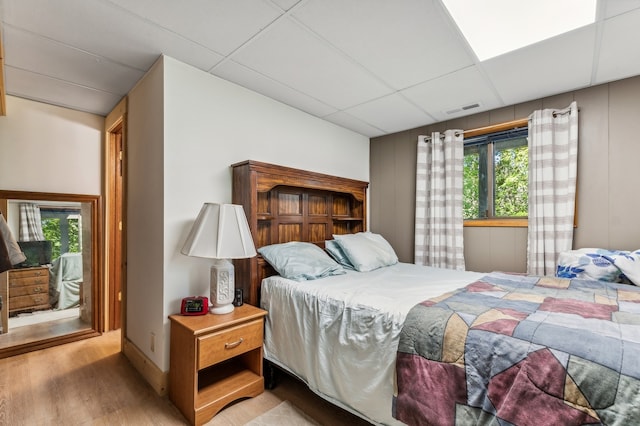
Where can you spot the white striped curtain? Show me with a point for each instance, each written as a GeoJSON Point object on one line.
{"type": "Point", "coordinates": [439, 237]}
{"type": "Point", "coordinates": [553, 156]}
{"type": "Point", "coordinates": [30, 223]}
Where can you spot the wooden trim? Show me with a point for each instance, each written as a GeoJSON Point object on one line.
{"type": "Point", "coordinates": [496, 128]}
{"type": "Point", "coordinates": [506, 223]}
{"type": "Point", "coordinates": [22, 348]}
{"type": "Point", "coordinates": [157, 378]}
{"type": "Point", "coordinates": [95, 201]}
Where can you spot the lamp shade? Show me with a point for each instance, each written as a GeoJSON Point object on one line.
{"type": "Point", "coordinates": [220, 231]}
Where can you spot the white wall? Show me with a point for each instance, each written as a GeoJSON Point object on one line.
{"type": "Point", "coordinates": [46, 148]}
{"type": "Point", "coordinates": [208, 124]}
{"type": "Point", "coordinates": [145, 213]}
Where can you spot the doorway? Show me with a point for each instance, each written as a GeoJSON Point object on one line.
{"type": "Point", "coordinates": [115, 144]}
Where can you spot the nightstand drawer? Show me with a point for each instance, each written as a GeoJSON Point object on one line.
{"type": "Point", "coordinates": [226, 344]}
{"type": "Point", "coordinates": [28, 289]}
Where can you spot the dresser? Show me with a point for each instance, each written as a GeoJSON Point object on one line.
{"type": "Point", "coordinates": [28, 289]}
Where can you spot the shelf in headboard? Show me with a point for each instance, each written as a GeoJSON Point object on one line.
{"type": "Point", "coordinates": [284, 204]}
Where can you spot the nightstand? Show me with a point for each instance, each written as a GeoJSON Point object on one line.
{"type": "Point", "coordinates": [215, 359]}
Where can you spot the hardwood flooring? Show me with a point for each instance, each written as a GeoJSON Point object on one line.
{"type": "Point", "coordinates": [89, 382]}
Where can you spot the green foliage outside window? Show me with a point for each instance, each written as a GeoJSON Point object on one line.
{"type": "Point", "coordinates": [496, 177]}
{"type": "Point", "coordinates": [512, 182]}
{"type": "Point", "coordinates": [470, 188]}
{"type": "Point", "coordinates": [52, 232]}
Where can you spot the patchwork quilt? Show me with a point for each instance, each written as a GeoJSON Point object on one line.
{"type": "Point", "coordinates": [522, 350]}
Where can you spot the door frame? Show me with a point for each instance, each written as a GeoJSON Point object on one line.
{"type": "Point", "coordinates": [115, 222]}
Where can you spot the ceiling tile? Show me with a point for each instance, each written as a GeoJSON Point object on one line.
{"type": "Point", "coordinates": [391, 113]}
{"type": "Point", "coordinates": [43, 56]}
{"type": "Point", "coordinates": [619, 48]}
{"type": "Point", "coordinates": [250, 79]}
{"type": "Point", "coordinates": [40, 88]}
{"type": "Point", "coordinates": [288, 53]}
{"type": "Point", "coordinates": [107, 30]}
{"type": "Point", "coordinates": [550, 67]}
{"type": "Point", "coordinates": [452, 92]}
{"type": "Point", "coordinates": [222, 26]}
{"type": "Point", "coordinates": [404, 42]}
{"type": "Point", "coordinates": [372, 66]}
{"type": "Point", "coordinates": [287, 4]}
{"type": "Point", "coordinates": [616, 7]}
{"type": "Point", "coordinates": [350, 122]}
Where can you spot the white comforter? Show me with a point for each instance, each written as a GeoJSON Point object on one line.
{"type": "Point", "coordinates": [340, 334]}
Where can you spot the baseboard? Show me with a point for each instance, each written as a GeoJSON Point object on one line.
{"type": "Point", "coordinates": [157, 378]}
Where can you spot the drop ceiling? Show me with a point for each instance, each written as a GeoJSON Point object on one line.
{"type": "Point", "coordinates": [373, 66]}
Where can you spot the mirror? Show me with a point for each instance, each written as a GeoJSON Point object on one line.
{"type": "Point", "coordinates": [53, 296]}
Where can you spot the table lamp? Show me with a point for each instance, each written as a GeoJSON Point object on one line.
{"type": "Point", "coordinates": [220, 232]}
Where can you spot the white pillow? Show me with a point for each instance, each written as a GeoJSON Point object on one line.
{"type": "Point", "coordinates": [300, 261]}
{"type": "Point", "coordinates": [367, 251]}
{"type": "Point", "coordinates": [589, 263]}
{"type": "Point", "coordinates": [629, 264]}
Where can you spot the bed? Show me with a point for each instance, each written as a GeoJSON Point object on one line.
{"type": "Point", "coordinates": [340, 334]}
{"type": "Point", "coordinates": [388, 341]}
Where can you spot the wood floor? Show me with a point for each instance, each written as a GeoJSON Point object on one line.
{"type": "Point", "coordinates": [89, 382]}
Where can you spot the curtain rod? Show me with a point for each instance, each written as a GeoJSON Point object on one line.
{"type": "Point", "coordinates": [428, 138]}
{"type": "Point", "coordinates": [492, 128]}
{"type": "Point", "coordinates": [502, 126]}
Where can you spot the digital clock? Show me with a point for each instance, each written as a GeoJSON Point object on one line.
{"type": "Point", "coordinates": [194, 305]}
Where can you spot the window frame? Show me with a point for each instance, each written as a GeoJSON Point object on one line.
{"type": "Point", "coordinates": [519, 222]}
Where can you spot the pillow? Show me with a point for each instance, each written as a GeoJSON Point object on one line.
{"type": "Point", "coordinates": [300, 261]}
{"type": "Point", "coordinates": [590, 263]}
{"type": "Point", "coordinates": [629, 265]}
{"type": "Point", "coordinates": [333, 248]}
{"type": "Point", "coordinates": [367, 251]}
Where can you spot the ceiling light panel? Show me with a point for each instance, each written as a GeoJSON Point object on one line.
{"type": "Point", "coordinates": [494, 27]}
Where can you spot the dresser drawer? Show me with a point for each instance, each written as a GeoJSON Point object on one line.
{"type": "Point", "coordinates": [226, 344]}
{"type": "Point", "coordinates": [30, 272]}
{"type": "Point", "coordinates": [29, 276]}
{"type": "Point", "coordinates": [20, 282]}
{"type": "Point", "coordinates": [29, 301]}
{"type": "Point", "coordinates": [29, 290]}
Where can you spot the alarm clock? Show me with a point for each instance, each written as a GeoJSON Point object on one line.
{"type": "Point", "coordinates": [194, 305]}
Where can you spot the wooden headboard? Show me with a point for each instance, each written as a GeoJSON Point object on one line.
{"type": "Point", "coordinates": [283, 204]}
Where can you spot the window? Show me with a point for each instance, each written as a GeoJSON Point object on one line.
{"type": "Point", "coordinates": [62, 227]}
{"type": "Point", "coordinates": [496, 176]}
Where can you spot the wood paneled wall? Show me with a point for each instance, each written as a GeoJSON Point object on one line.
{"type": "Point", "coordinates": [607, 173]}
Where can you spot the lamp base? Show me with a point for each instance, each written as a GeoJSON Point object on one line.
{"type": "Point", "coordinates": [224, 309]}
{"type": "Point", "coordinates": [222, 287]}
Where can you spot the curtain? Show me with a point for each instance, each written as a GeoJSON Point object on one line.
{"type": "Point", "coordinates": [30, 223]}
{"type": "Point", "coordinates": [553, 154]}
{"type": "Point", "coordinates": [439, 224]}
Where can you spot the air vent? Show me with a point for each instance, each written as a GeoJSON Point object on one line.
{"type": "Point", "coordinates": [463, 108]}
